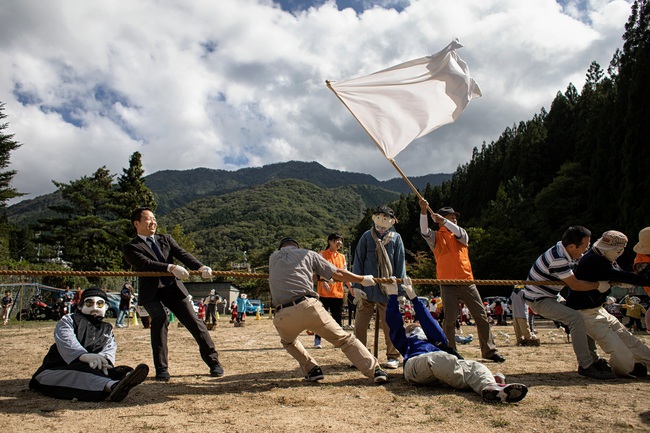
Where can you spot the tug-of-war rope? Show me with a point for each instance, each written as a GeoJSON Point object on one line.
{"type": "Point", "coordinates": [238, 274]}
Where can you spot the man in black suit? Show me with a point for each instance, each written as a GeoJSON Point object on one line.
{"type": "Point", "coordinates": [149, 252]}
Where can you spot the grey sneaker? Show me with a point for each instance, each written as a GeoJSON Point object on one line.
{"type": "Point", "coordinates": [315, 374]}
{"type": "Point", "coordinates": [501, 393]}
{"type": "Point", "coordinates": [392, 363]}
{"type": "Point", "coordinates": [595, 373]}
{"type": "Point", "coordinates": [380, 375]}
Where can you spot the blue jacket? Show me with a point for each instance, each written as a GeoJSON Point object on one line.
{"type": "Point", "coordinates": [365, 263]}
{"type": "Point", "coordinates": [413, 346]}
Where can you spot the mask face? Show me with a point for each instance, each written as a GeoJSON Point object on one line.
{"type": "Point", "coordinates": [418, 333]}
{"type": "Point", "coordinates": [94, 306]}
{"type": "Point", "coordinates": [612, 255]}
{"type": "Point", "coordinates": [383, 222]}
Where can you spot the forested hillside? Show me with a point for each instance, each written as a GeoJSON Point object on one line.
{"type": "Point", "coordinates": [255, 219]}
{"type": "Point", "coordinates": [584, 161]}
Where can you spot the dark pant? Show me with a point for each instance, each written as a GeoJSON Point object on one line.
{"type": "Point", "coordinates": [211, 314]}
{"type": "Point", "coordinates": [335, 307]}
{"type": "Point", "coordinates": [182, 309]}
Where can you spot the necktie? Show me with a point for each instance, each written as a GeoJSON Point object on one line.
{"type": "Point", "coordinates": [155, 249]}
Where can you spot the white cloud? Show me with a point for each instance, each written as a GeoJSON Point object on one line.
{"type": "Point", "coordinates": [239, 83]}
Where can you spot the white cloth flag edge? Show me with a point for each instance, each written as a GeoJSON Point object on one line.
{"type": "Point", "coordinates": [399, 104]}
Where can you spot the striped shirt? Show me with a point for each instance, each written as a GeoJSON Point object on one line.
{"type": "Point", "coordinates": [554, 265]}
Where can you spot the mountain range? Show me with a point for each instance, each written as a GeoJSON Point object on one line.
{"type": "Point", "coordinates": [176, 189]}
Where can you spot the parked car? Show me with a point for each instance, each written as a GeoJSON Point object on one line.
{"type": "Point", "coordinates": [255, 306]}
{"type": "Point", "coordinates": [505, 302]}
{"type": "Point", "coordinates": [113, 305]}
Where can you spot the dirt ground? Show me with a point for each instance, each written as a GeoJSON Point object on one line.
{"type": "Point", "coordinates": [263, 390]}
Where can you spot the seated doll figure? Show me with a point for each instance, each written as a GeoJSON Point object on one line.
{"type": "Point", "coordinates": [428, 359]}
{"type": "Point", "coordinates": [80, 363]}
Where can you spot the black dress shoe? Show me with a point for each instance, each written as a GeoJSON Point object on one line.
{"type": "Point", "coordinates": [497, 358]}
{"type": "Point", "coordinates": [216, 370]}
{"type": "Point", "coordinates": [163, 375]}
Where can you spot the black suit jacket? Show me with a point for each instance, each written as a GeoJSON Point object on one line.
{"type": "Point", "coordinates": [142, 258]}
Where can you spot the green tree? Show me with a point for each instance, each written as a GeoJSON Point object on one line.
{"type": "Point", "coordinates": [89, 227]}
{"type": "Point", "coordinates": [131, 184]}
{"type": "Point", "coordinates": [7, 145]}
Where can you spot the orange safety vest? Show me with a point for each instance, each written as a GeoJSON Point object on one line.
{"type": "Point", "coordinates": [452, 257]}
{"type": "Point", "coordinates": [643, 258]}
{"type": "Point", "coordinates": [336, 288]}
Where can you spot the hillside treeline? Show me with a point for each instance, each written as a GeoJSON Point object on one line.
{"type": "Point", "coordinates": [584, 161]}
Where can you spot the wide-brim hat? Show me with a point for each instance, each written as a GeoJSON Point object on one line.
{"type": "Point", "coordinates": [444, 211]}
{"type": "Point", "coordinates": [643, 246]}
{"type": "Point", "coordinates": [611, 240]}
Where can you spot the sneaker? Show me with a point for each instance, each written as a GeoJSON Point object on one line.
{"type": "Point", "coordinates": [640, 370]}
{"type": "Point", "coordinates": [500, 378]}
{"type": "Point", "coordinates": [317, 344]}
{"type": "Point", "coordinates": [136, 377]}
{"type": "Point", "coordinates": [315, 374]}
{"type": "Point", "coordinates": [162, 375]}
{"type": "Point", "coordinates": [501, 393]}
{"type": "Point", "coordinates": [602, 365]}
{"type": "Point", "coordinates": [392, 364]}
{"type": "Point", "coordinates": [595, 373]}
{"type": "Point", "coordinates": [216, 370]}
{"type": "Point", "coordinates": [497, 358]}
{"type": "Point", "coordinates": [380, 375]}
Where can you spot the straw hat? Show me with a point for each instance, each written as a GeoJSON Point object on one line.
{"type": "Point", "coordinates": [643, 246]}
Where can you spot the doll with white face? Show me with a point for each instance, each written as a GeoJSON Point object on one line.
{"type": "Point", "coordinates": [383, 219]}
{"type": "Point", "coordinates": [95, 306]}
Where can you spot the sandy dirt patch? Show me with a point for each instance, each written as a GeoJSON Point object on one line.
{"type": "Point", "coordinates": [263, 390]}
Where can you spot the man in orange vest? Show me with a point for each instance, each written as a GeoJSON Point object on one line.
{"type": "Point", "coordinates": [449, 246]}
{"type": "Point", "coordinates": [330, 293]}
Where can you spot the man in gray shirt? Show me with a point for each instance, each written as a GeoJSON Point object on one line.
{"type": "Point", "coordinates": [297, 308]}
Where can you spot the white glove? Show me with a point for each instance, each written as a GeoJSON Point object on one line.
{"type": "Point", "coordinates": [206, 272]}
{"type": "Point", "coordinates": [368, 280]}
{"type": "Point", "coordinates": [359, 295]}
{"type": "Point", "coordinates": [390, 288]}
{"type": "Point", "coordinates": [408, 288]}
{"type": "Point", "coordinates": [603, 286]}
{"type": "Point", "coordinates": [180, 272]}
{"type": "Point", "coordinates": [96, 361]}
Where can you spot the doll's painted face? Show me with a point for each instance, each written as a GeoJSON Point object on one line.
{"type": "Point", "coordinates": [94, 306]}
{"type": "Point", "coordinates": [383, 222]}
{"type": "Point", "coordinates": [613, 254]}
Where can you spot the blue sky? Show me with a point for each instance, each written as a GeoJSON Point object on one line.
{"type": "Point", "coordinates": [237, 83]}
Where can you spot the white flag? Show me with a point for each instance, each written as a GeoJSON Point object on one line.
{"type": "Point", "coordinates": [400, 104]}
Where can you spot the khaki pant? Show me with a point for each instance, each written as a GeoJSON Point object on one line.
{"type": "Point", "coordinates": [365, 311]}
{"type": "Point", "coordinates": [522, 332]}
{"type": "Point", "coordinates": [614, 338]}
{"type": "Point", "coordinates": [440, 366]}
{"type": "Point", "coordinates": [310, 314]}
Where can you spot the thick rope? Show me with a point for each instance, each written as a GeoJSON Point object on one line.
{"type": "Point", "coordinates": [237, 274]}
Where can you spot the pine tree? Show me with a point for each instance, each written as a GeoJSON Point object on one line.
{"type": "Point", "coordinates": [7, 145]}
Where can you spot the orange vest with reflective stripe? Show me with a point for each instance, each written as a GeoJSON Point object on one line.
{"type": "Point", "coordinates": [452, 257]}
